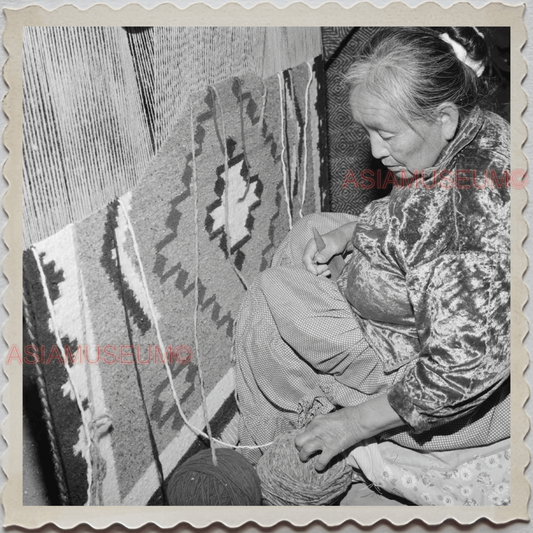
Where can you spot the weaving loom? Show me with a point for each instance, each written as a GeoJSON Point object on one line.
{"type": "Point", "coordinates": [193, 199]}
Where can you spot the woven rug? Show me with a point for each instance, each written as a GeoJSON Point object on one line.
{"type": "Point", "coordinates": [114, 288]}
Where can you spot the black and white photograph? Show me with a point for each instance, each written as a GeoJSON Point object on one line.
{"type": "Point", "coordinates": [269, 265]}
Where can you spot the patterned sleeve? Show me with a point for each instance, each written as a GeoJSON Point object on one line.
{"type": "Point", "coordinates": [461, 303]}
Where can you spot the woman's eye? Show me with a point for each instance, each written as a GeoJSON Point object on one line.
{"type": "Point", "coordinates": [385, 135]}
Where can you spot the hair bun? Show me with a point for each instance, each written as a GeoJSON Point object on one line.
{"type": "Point", "coordinates": [472, 39]}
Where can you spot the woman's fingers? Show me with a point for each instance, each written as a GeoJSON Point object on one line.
{"type": "Point", "coordinates": [324, 458]}
{"type": "Point", "coordinates": [329, 435]}
{"type": "Point", "coordinates": [309, 257]}
{"type": "Point", "coordinates": [308, 445]}
{"type": "Point", "coordinates": [335, 432]}
{"type": "Point", "coordinates": [322, 270]}
{"type": "Point", "coordinates": [316, 257]}
{"type": "Point", "coordinates": [314, 261]}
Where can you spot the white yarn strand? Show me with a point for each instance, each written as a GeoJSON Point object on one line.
{"type": "Point", "coordinates": [194, 429]}
{"type": "Point", "coordinates": [226, 188]}
{"type": "Point", "coordinates": [196, 283]}
{"type": "Point", "coordinates": [283, 166]}
{"type": "Point", "coordinates": [304, 184]}
{"type": "Point", "coordinates": [294, 169]}
{"type": "Point", "coordinates": [263, 106]}
{"type": "Point", "coordinates": [226, 171]}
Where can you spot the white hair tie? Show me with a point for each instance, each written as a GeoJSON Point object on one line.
{"type": "Point", "coordinates": [477, 66]}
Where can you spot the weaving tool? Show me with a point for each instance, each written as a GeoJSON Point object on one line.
{"type": "Point", "coordinates": [336, 263]}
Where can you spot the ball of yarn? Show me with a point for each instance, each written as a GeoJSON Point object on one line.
{"type": "Point", "coordinates": [199, 482]}
{"type": "Point", "coordinates": [285, 480]}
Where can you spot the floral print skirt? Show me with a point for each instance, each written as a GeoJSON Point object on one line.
{"type": "Point", "coordinates": [474, 476]}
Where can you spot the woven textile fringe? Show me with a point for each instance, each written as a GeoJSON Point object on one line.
{"type": "Point", "coordinates": [47, 414]}
{"type": "Point", "coordinates": [79, 95]}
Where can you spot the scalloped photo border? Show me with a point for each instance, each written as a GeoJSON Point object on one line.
{"type": "Point", "coordinates": [396, 14]}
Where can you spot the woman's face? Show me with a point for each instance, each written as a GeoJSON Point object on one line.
{"type": "Point", "coordinates": [398, 146]}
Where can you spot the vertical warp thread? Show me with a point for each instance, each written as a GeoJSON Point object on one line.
{"type": "Point", "coordinates": [245, 155]}
{"type": "Point", "coordinates": [36, 97]}
{"type": "Point", "coordinates": [196, 282]}
{"type": "Point", "coordinates": [83, 145]}
{"type": "Point", "coordinates": [304, 184]}
{"type": "Point", "coordinates": [160, 340]}
{"type": "Point", "coordinates": [99, 424]}
{"type": "Point", "coordinates": [151, 436]}
{"type": "Point", "coordinates": [226, 173]}
{"type": "Point", "coordinates": [263, 105]}
{"type": "Point", "coordinates": [294, 159]}
{"type": "Point", "coordinates": [283, 166]}
{"type": "Point", "coordinates": [59, 343]}
{"type": "Point", "coordinates": [226, 183]}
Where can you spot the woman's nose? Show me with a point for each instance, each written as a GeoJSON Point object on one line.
{"type": "Point", "coordinates": [378, 146]}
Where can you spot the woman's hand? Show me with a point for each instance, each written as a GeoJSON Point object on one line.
{"type": "Point", "coordinates": [330, 435]}
{"type": "Point", "coordinates": [335, 432]}
{"type": "Point", "coordinates": [336, 242]}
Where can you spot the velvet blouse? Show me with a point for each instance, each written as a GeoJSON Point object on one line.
{"type": "Point", "coordinates": [429, 279]}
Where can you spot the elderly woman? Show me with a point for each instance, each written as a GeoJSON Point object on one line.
{"type": "Point", "coordinates": [412, 342]}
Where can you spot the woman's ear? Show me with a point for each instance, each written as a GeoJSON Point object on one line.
{"type": "Point", "coordinates": [448, 116]}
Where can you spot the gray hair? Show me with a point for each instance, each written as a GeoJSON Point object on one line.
{"type": "Point", "coordinates": [414, 71]}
